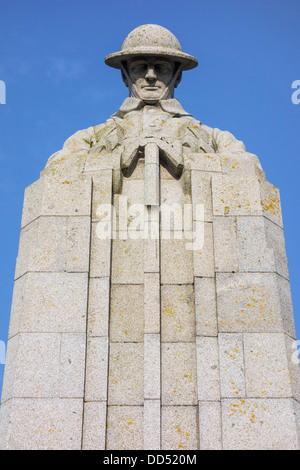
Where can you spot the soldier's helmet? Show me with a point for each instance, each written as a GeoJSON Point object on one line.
{"type": "Point", "coordinates": [151, 40]}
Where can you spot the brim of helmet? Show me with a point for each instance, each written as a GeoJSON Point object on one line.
{"type": "Point", "coordinates": [187, 61]}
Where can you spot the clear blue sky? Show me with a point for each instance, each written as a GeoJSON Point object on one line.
{"type": "Point", "coordinates": [51, 59]}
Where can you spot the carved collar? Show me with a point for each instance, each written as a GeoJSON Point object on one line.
{"type": "Point", "coordinates": [171, 106]}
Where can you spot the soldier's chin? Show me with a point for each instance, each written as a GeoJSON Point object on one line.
{"type": "Point", "coordinates": [151, 98]}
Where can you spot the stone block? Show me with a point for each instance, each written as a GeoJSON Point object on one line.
{"type": "Point", "coordinates": [72, 365]}
{"type": "Point", "coordinates": [176, 262]}
{"type": "Point", "coordinates": [100, 162]}
{"type": "Point", "coordinates": [125, 428]}
{"type": "Point", "coordinates": [33, 366]}
{"type": "Point", "coordinates": [259, 424]}
{"type": "Point", "coordinates": [242, 163]}
{"type": "Point", "coordinates": [100, 257]}
{"type": "Point", "coordinates": [52, 302]}
{"type": "Point", "coordinates": [42, 246]}
{"type": "Point", "coordinates": [236, 195]}
{"type": "Point", "coordinates": [266, 365]}
{"type": "Point", "coordinates": [32, 202]}
{"type": "Point", "coordinates": [210, 425]}
{"type": "Point", "coordinates": [130, 207]}
{"type": "Point", "coordinates": [17, 305]}
{"type": "Point", "coordinates": [208, 374]}
{"type": "Point", "coordinates": [204, 256]}
{"type": "Point", "coordinates": [151, 255]}
{"type": "Point", "coordinates": [232, 374]}
{"type": "Point", "coordinates": [65, 162]}
{"type": "Point", "coordinates": [275, 240]}
{"type": "Point", "coordinates": [177, 313]}
{"type": "Point", "coordinates": [152, 425]}
{"type": "Point", "coordinates": [201, 193]}
{"type": "Point", "coordinates": [179, 374]}
{"type": "Point", "coordinates": [270, 202]}
{"type": "Point", "coordinates": [70, 195]}
{"type": "Point", "coordinates": [152, 303]}
{"type": "Point", "coordinates": [94, 426]}
{"type": "Point", "coordinates": [96, 369]}
{"type": "Point", "coordinates": [267, 254]}
{"type": "Point", "coordinates": [78, 244]}
{"type": "Point", "coordinates": [152, 366]}
{"type": "Point", "coordinates": [225, 244]}
{"type": "Point", "coordinates": [98, 306]}
{"type": "Point", "coordinates": [127, 313]}
{"type": "Point", "coordinates": [102, 192]}
{"type": "Point", "coordinates": [205, 307]}
{"type": "Point", "coordinates": [248, 302]}
{"type": "Point", "coordinates": [126, 378]}
{"type": "Point", "coordinates": [126, 265]}
{"type": "Point", "coordinates": [203, 162]}
{"type": "Point", "coordinates": [44, 423]}
{"type": "Point", "coordinates": [179, 428]}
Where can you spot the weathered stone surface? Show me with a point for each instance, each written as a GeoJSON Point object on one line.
{"type": "Point", "coordinates": [48, 424]}
{"type": "Point", "coordinates": [179, 383]}
{"type": "Point", "coordinates": [208, 373]}
{"type": "Point", "coordinates": [126, 381]}
{"type": "Point", "coordinates": [266, 365]}
{"type": "Point", "coordinates": [232, 375]}
{"type": "Point", "coordinates": [126, 313]}
{"type": "Point", "coordinates": [210, 426]}
{"type": "Point", "coordinates": [225, 244]}
{"type": "Point", "coordinates": [178, 313]}
{"type": "Point", "coordinates": [72, 365]}
{"type": "Point", "coordinates": [176, 263]}
{"type": "Point", "coordinates": [94, 426]}
{"type": "Point", "coordinates": [51, 302]}
{"type": "Point", "coordinates": [205, 307]}
{"type": "Point", "coordinates": [261, 424]}
{"type": "Point", "coordinates": [45, 365]}
{"type": "Point", "coordinates": [204, 256]}
{"type": "Point", "coordinates": [267, 254]}
{"type": "Point", "coordinates": [152, 318]}
{"type": "Point", "coordinates": [126, 265]}
{"type": "Point", "coordinates": [179, 428]}
{"type": "Point", "coordinates": [152, 373]}
{"type": "Point", "coordinates": [42, 246]}
{"type": "Point", "coordinates": [236, 195]}
{"type": "Point", "coordinates": [125, 428]}
{"type": "Point", "coordinates": [36, 371]}
{"type": "Point", "coordinates": [98, 306]}
{"type": "Point", "coordinates": [249, 302]}
{"type": "Point", "coordinates": [78, 244]}
{"type": "Point", "coordinates": [270, 202]}
{"type": "Point", "coordinates": [100, 253]}
{"type": "Point", "coordinates": [96, 369]}
{"type": "Point", "coordinates": [152, 424]}
{"type": "Point", "coordinates": [201, 193]}
{"type": "Point", "coordinates": [51, 196]}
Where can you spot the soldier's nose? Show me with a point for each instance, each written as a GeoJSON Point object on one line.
{"type": "Point", "coordinates": [150, 74]}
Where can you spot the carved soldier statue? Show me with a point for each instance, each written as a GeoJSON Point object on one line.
{"type": "Point", "coordinates": [151, 62]}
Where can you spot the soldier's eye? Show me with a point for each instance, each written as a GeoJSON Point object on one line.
{"type": "Point", "coordinates": [139, 67]}
{"type": "Point", "coordinates": [162, 68]}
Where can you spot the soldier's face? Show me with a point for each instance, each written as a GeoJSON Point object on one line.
{"type": "Point", "coordinates": [150, 78]}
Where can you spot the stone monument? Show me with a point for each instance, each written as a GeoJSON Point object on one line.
{"type": "Point", "coordinates": [151, 306]}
